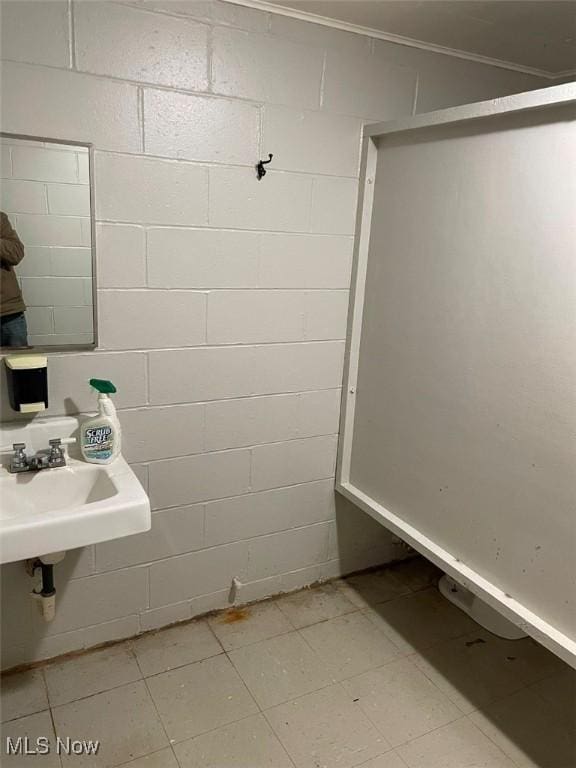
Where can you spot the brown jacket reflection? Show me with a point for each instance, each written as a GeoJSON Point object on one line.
{"type": "Point", "coordinates": [11, 254]}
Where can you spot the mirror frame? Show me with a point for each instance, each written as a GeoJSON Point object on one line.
{"type": "Point", "coordinates": [69, 347]}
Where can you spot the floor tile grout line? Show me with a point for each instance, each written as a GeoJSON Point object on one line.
{"type": "Point", "coordinates": [394, 751]}
{"type": "Point", "coordinates": [403, 763]}
{"type": "Point", "coordinates": [278, 737]}
{"type": "Point", "coordinates": [419, 651]}
{"type": "Point", "coordinates": [476, 707]}
{"type": "Point", "coordinates": [130, 643]}
{"type": "Point", "coordinates": [28, 714]}
{"type": "Point", "coordinates": [46, 708]}
{"type": "Point", "coordinates": [299, 696]}
{"type": "Point", "coordinates": [491, 740]}
{"type": "Point", "coordinates": [50, 710]}
{"type": "Point", "coordinates": [52, 720]}
{"type": "Point", "coordinates": [273, 599]}
{"type": "Point", "coordinates": [532, 686]}
{"type": "Point", "coordinates": [571, 732]}
{"type": "Point", "coordinates": [255, 642]}
{"type": "Point", "coordinates": [206, 621]}
{"type": "Point", "coordinates": [144, 676]}
{"type": "Point", "coordinates": [315, 652]}
{"type": "Point", "coordinates": [294, 627]}
{"type": "Point", "coordinates": [264, 640]}
{"type": "Point", "coordinates": [391, 751]}
{"type": "Point", "coordinates": [277, 601]}
{"type": "Point", "coordinates": [45, 686]}
{"type": "Point", "coordinates": [98, 693]}
{"type": "Point", "coordinates": [521, 686]}
{"type": "Point", "coordinates": [461, 715]}
{"type": "Point", "coordinates": [465, 715]}
{"type": "Point", "coordinates": [158, 715]}
{"type": "Point", "coordinates": [295, 630]}
{"type": "Point", "coordinates": [403, 653]}
{"type": "Point", "coordinates": [319, 587]}
{"type": "Point", "coordinates": [244, 683]}
{"type": "Point", "coordinates": [525, 685]}
{"type": "Point", "coordinates": [104, 690]}
{"type": "Point", "coordinates": [333, 684]}
{"type": "Point", "coordinates": [132, 759]}
{"type": "Point", "coordinates": [432, 730]}
{"type": "Point", "coordinates": [410, 661]}
{"type": "Point", "coordinates": [178, 763]}
{"type": "Point", "coordinates": [393, 660]}
{"type": "Point", "coordinates": [176, 742]}
{"type": "Point", "coordinates": [182, 666]}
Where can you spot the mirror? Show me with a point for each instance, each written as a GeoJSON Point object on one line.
{"type": "Point", "coordinates": [47, 281]}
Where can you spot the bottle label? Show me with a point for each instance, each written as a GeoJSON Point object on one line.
{"type": "Point", "coordinates": [98, 442]}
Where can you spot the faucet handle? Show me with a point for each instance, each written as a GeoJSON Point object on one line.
{"type": "Point", "coordinates": [57, 457]}
{"type": "Point", "coordinates": [19, 459]}
{"type": "Point", "coordinates": [56, 453]}
{"type": "Point", "coordinates": [57, 442]}
{"type": "Point", "coordinates": [13, 448]}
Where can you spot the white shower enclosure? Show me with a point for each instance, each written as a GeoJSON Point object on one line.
{"type": "Point", "coordinates": [459, 401]}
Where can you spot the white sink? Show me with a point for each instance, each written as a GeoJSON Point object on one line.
{"type": "Point", "coordinates": [58, 509]}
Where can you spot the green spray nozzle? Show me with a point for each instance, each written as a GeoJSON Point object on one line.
{"type": "Point", "coordinates": [103, 386]}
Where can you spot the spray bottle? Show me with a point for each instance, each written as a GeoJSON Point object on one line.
{"type": "Point", "coordinates": [100, 435]}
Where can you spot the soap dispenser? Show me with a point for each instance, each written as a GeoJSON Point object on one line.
{"type": "Point", "coordinates": [27, 377]}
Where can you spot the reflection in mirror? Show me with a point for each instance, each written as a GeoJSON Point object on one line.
{"type": "Point", "coordinates": [46, 274]}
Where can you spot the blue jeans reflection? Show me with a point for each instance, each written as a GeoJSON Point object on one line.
{"type": "Point", "coordinates": [13, 330]}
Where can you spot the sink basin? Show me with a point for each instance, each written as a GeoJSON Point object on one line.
{"type": "Point", "coordinates": [68, 507]}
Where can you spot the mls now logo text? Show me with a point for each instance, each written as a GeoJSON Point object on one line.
{"type": "Point", "coordinates": [23, 745]}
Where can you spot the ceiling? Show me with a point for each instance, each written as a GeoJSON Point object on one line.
{"type": "Point", "coordinates": [535, 34]}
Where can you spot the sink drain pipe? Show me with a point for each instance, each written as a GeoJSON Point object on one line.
{"type": "Point", "coordinates": [45, 592]}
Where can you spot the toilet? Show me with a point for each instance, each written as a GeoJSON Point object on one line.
{"type": "Point", "coordinates": [477, 609]}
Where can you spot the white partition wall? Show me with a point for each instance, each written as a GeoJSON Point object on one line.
{"type": "Point", "coordinates": [459, 426]}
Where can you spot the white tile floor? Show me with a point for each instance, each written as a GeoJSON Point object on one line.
{"type": "Point", "coordinates": [377, 670]}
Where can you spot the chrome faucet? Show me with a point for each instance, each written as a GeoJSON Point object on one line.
{"type": "Point", "coordinates": [20, 462]}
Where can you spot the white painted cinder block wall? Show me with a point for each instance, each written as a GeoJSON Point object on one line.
{"type": "Point", "coordinates": [222, 299]}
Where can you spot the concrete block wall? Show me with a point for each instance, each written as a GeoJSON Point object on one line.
{"type": "Point", "coordinates": [222, 300]}
{"type": "Point", "coordinates": [44, 190]}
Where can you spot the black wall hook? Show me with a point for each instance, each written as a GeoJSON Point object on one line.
{"type": "Point", "coordinates": [260, 170]}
